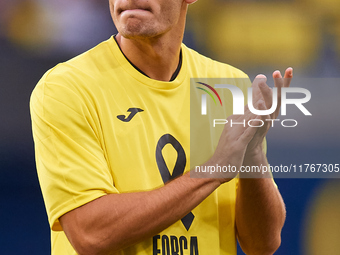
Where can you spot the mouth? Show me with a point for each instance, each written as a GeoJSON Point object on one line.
{"type": "Point", "coordinates": [133, 8]}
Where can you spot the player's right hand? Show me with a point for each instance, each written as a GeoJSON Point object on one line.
{"type": "Point", "coordinates": [233, 142]}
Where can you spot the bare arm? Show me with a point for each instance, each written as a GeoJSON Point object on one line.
{"type": "Point", "coordinates": [116, 221]}
{"type": "Point", "coordinates": [260, 210]}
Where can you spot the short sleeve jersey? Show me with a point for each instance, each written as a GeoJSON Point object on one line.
{"type": "Point", "coordinates": [101, 127]}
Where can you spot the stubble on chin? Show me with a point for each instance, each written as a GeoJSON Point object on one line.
{"type": "Point", "coordinates": [135, 28]}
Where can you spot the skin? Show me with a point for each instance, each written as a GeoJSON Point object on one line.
{"type": "Point", "coordinates": [150, 35]}
{"type": "Point", "coordinates": [260, 211]}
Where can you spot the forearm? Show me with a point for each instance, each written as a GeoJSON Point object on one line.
{"type": "Point", "coordinates": [116, 221]}
{"type": "Point", "coordinates": [260, 212]}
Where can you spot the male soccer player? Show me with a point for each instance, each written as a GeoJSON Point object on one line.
{"type": "Point", "coordinates": [107, 123]}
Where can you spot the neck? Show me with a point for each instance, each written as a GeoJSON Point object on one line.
{"type": "Point", "coordinates": [157, 57]}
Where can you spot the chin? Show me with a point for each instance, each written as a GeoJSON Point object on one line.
{"type": "Point", "coordinates": [137, 33]}
{"type": "Point", "coordinates": [137, 28]}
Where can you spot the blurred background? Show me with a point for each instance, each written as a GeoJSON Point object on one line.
{"type": "Point", "coordinates": [257, 36]}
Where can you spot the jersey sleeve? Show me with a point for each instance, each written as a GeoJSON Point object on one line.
{"type": "Point", "coordinates": [70, 158]}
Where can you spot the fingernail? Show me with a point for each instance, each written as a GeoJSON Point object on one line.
{"type": "Point", "coordinates": [291, 70]}
{"type": "Point", "coordinates": [261, 76]}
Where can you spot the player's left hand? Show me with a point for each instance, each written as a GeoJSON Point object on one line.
{"type": "Point", "coordinates": [261, 91]}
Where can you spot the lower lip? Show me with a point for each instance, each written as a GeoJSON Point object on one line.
{"type": "Point", "coordinates": [134, 11]}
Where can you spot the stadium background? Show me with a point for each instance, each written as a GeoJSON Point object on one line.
{"type": "Point", "coordinates": [255, 36]}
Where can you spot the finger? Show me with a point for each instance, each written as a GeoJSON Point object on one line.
{"type": "Point", "coordinates": [259, 81]}
{"type": "Point", "coordinates": [240, 121]}
{"type": "Point", "coordinates": [249, 133]}
{"type": "Point", "coordinates": [261, 77]}
{"type": "Point", "coordinates": [277, 74]}
{"type": "Point", "coordinates": [278, 81]}
{"type": "Point", "coordinates": [264, 129]}
{"type": "Point", "coordinates": [288, 77]}
{"type": "Point", "coordinates": [267, 94]}
{"type": "Point", "coordinates": [255, 130]}
{"type": "Point", "coordinates": [247, 113]}
{"type": "Point", "coordinates": [261, 124]}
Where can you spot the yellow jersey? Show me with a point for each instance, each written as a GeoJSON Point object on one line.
{"type": "Point", "coordinates": [100, 127]}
